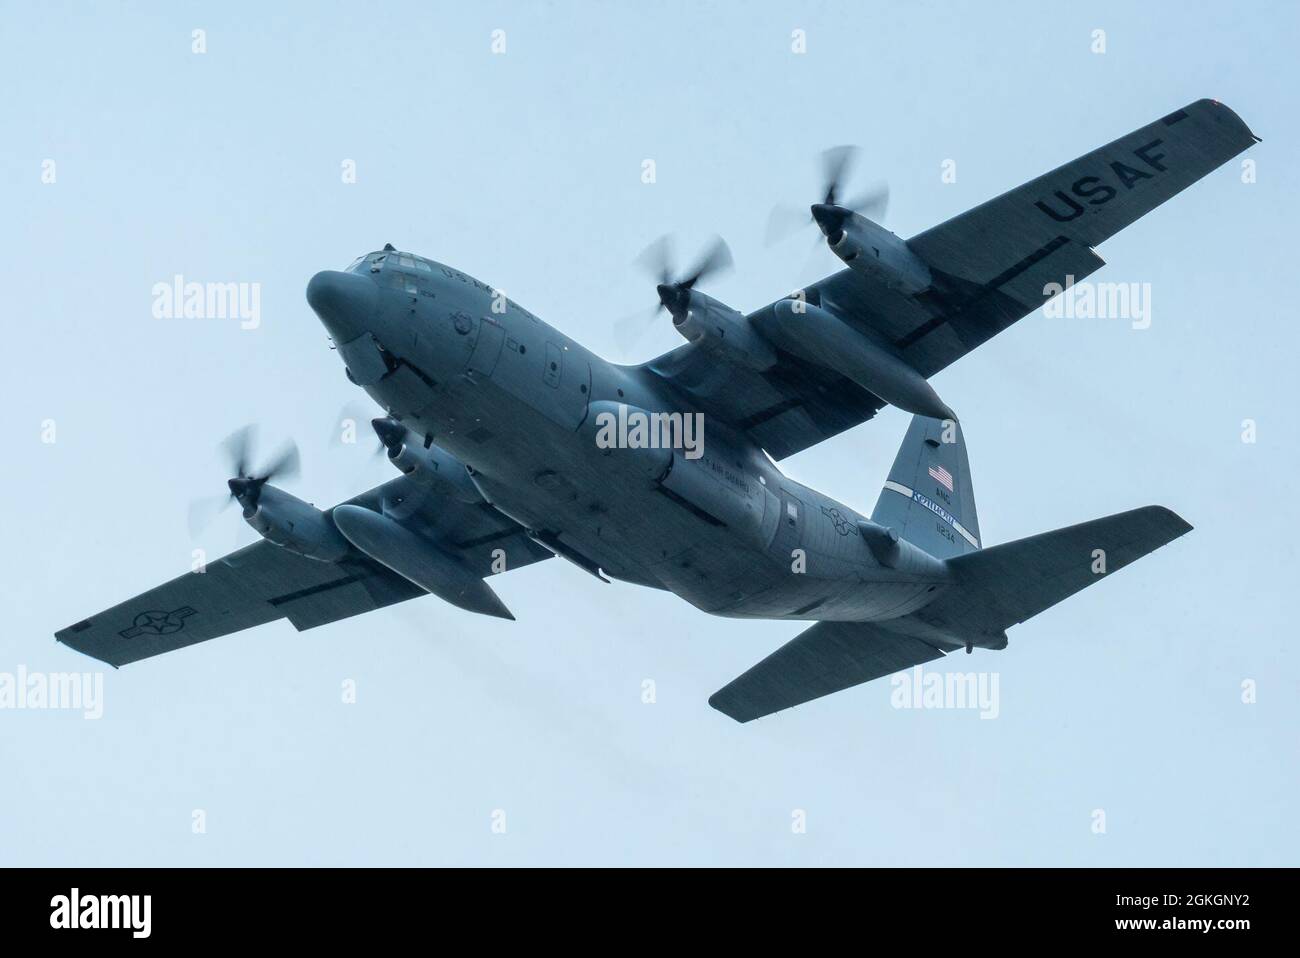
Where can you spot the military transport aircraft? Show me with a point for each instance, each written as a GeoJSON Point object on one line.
{"type": "Point", "coordinates": [515, 443]}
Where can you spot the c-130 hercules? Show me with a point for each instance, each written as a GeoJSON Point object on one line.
{"type": "Point", "coordinates": [493, 420]}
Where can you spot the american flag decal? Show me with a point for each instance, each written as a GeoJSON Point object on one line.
{"type": "Point", "coordinates": [942, 476]}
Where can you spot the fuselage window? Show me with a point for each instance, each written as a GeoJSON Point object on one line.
{"type": "Point", "coordinates": [396, 279]}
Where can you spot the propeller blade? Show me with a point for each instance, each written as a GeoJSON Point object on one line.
{"type": "Point", "coordinates": [871, 204]}
{"type": "Point", "coordinates": [656, 260]}
{"type": "Point", "coordinates": [674, 294]}
{"type": "Point", "coordinates": [203, 510]}
{"type": "Point", "coordinates": [238, 447]}
{"type": "Point", "coordinates": [784, 221]}
{"type": "Point", "coordinates": [245, 535]}
{"type": "Point", "coordinates": [244, 486]}
{"type": "Point", "coordinates": [835, 164]}
{"type": "Point", "coordinates": [629, 330]}
{"type": "Point", "coordinates": [284, 465]}
{"type": "Point", "coordinates": [350, 422]}
{"type": "Point", "coordinates": [716, 260]}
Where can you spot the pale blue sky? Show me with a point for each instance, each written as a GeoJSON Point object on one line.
{"type": "Point", "coordinates": [524, 170]}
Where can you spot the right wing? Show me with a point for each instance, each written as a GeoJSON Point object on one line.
{"type": "Point", "coordinates": [991, 266]}
{"type": "Point", "coordinates": [826, 658]}
{"type": "Point", "coordinates": [264, 582]}
{"type": "Point", "coordinates": [995, 260]}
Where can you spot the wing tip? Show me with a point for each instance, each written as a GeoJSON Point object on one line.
{"type": "Point", "coordinates": [1171, 523]}
{"type": "Point", "coordinates": [1228, 115]}
{"type": "Point", "coordinates": [59, 637]}
{"type": "Point", "coordinates": [728, 706]}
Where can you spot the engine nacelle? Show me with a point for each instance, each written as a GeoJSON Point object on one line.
{"type": "Point", "coordinates": [296, 525]}
{"type": "Point", "coordinates": [714, 325]}
{"type": "Point", "coordinates": [821, 337]}
{"type": "Point", "coordinates": [870, 249]}
{"type": "Point", "coordinates": [430, 466]}
{"type": "Point", "coordinates": [418, 560]}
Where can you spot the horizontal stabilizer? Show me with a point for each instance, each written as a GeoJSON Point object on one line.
{"type": "Point", "coordinates": [826, 658]}
{"type": "Point", "coordinates": [998, 587]}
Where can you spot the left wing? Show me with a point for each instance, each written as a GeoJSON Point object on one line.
{"type": "Point", "coordinates": [264, 582]}
{"type": "Point", "coordinates": [991, 266]}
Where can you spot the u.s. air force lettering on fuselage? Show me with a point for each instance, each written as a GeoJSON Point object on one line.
{"type": "Point", "coordinates": [1097, 192]}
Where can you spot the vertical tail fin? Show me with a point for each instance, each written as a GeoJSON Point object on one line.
{"type": "Point", "coordinates": [928, 499]}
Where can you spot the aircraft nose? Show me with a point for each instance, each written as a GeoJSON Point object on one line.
{"type": "Point", "coordinates": [345, 303]}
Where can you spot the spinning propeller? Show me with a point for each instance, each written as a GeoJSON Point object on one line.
{"type": "Point", "coordinates": [674, 293]}
{"type": "Point", "coordinates": [832, 211]}
{"type": "Point", "coordinates": [392, 435]}
{"type": "Point", "coordinates": [247, 482]}
{"type": "Point", "coordinates": [350, 421]}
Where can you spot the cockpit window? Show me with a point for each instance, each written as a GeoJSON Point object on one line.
{"type": "Point", "coordinates": [407, 262]}
{"type": "Point", "coordinates": [413, 263]}
{"type": "Point", "coordinates": [400, 279]}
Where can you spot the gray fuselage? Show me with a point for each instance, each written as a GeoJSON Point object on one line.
{"type": "Point", "coordinates": [515, 401]}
